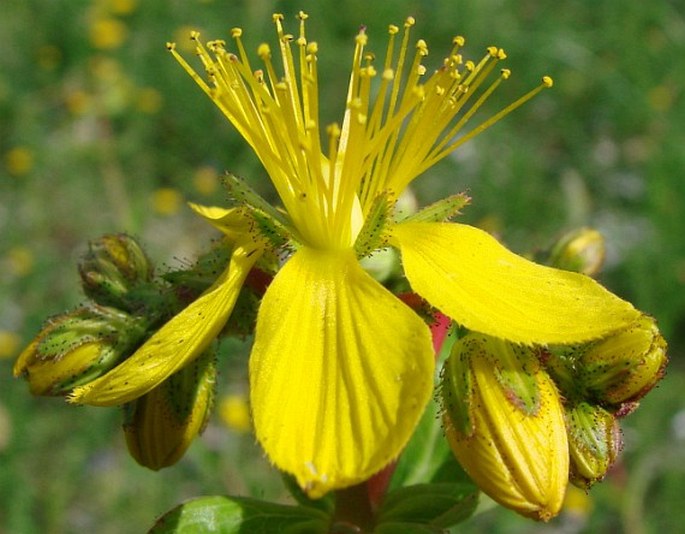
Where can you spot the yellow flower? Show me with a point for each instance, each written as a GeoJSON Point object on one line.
{"type": "Point", "coordinates": [107, 33]}
{"type": "Point", "coordinates": [341, 369]}
{"type": "Point", "coordinates": [166, 201]}
{"type": "Point", "coordinates": [235, 413]}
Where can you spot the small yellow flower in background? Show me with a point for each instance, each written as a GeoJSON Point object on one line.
{"type": "Point", "coordinates": [149, 100]}
{"type": "Point", "coordinates": [341, 369]}
{"type": "Point", "coordinates": [577, 503]}
{"type": "Point", "coordinates": [206, 180]}
{"type": "Point", "coordinates": [166, 201]}
{"type": "Point", "coordinates": [9, 344]}
{"type": "Point", "coordinates": [19, 160]}
{"type": "Point", "coordinates": [122, 7]}
{"type": "Point", "coordinates": [235, 413]}
{"type": "Point", "coordinates": [19, 261]}
{"type": "Point", "coordinates": [107, 33]}
{"type": "Point", "coordinates": [78, 101]}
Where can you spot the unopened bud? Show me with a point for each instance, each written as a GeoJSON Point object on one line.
{"type": "Point", "coordinates": [594, 440]}
{"type": "Point", "coordinates": [75, 348]}
{"type": "Point", "coordinates": [113, 268]}
{"type": "Point", "coordinates": [505, 424]}
{"type": "Point", "coordinates": [580, 251]}
{"type": "Point", "coordinates": [160, 426]}
{"type": "Point", "coordinates": [624, 367]}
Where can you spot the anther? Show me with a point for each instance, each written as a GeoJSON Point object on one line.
{"type": "Point", "coordinates": [547, 81]}
{"type": "Point", "coordinates": [392, 29]}
{"type": "Point", "coordinates": [264, 51]}
{"type": "Point", "coordinates": [236, 32]}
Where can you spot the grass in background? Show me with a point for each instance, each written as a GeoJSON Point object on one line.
{"type": "Point", "coordinates": [101, 131]}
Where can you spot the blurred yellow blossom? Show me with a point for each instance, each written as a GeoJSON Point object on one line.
{"type": "Point", "coordinates": [19, 160]}
{"type": "Point", "coordinates": [206, 180]}
{"type": "Point", "coordinates": [166, 201]}
{"type": "Point", "coordinates": [661, 98]}
{"type": "Point", "coordinates": [9, 344]}
{"type": "Point", "coordinates": [19, 261]}
{"type": "Point", "coordinates": [577, 502]}
{"type": "Point", "coordinates": [149, 100]}
{"type": "Point", "coordinates": [235, 413]}
{"type": "Point", "coordinates": [122, 7]}
{"type": "Point", "coordinates": [77, 101]}
{"type": "Point", "coordinates": [107, 33]}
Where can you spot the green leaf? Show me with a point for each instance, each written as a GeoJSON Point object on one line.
{"type": "Point", "coordinates": [434, 505]}
{"type": "Point", "coordinates": [237, 515]}
{"type": "Point", "coordinates": [428, 458]}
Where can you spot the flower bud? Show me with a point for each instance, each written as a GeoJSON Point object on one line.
{"type": "Point", "coordinates": [580, 251]}
{"type": "Point", "coordinates": [624, 367]}
{"type": "Point", "coordinates": [160, 426]}
{"type": "Point", "coordinates": [74, 348]}
{"type": "Point", "coordinates": [594, 440]}
{"type": "Point", "coordinates": [114, 266]}
{"type": "Point", "coordinates": [505, 424]}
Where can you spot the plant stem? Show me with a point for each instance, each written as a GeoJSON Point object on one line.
{"type": "Point", "coordinates": [353, 511]}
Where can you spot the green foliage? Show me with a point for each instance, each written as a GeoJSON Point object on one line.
{"type": "Point", "coordinates": [235, 515]}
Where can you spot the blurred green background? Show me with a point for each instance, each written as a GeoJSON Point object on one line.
{"type": "Point", "coordinates": [100, 131]}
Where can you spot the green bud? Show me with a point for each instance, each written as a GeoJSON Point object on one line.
{"type": "Point", "coordinates": [580, 251]}
{"type": "Point", "coordinates": [505, 424]}
{"type": "Point", "coordinates": [160, 426]}
{"type": "Point", "coordinates": [624, 367]}
{"type": "Point", "coordinates": [75, 348]}
{"type": "Point", "coordinates": [114, 266]}
{"type": "Point", "coordinates": [594, 440]}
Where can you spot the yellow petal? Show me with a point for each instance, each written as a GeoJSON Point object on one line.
{"type": "Point", "coordinates": [340, 372]}
{"type": "Point", "coordinates": [234, 222]}
{"type": "Point", "coordinates": [469, 276]}
{"type": "Point", "coordinates": [176, 344]}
